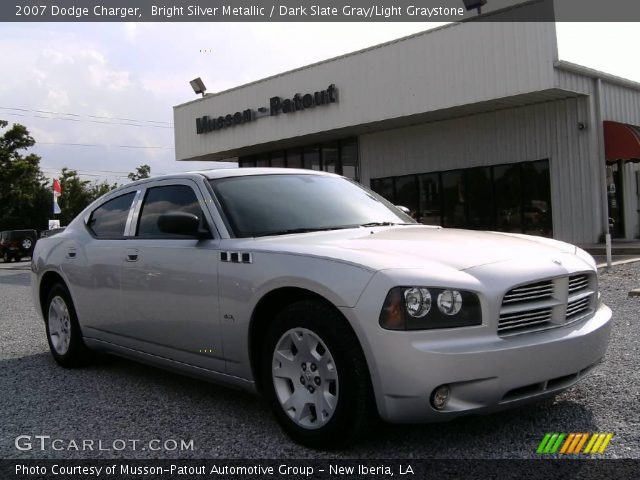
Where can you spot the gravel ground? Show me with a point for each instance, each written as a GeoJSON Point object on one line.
{"type": "Point", "coordinates": [119, 399]}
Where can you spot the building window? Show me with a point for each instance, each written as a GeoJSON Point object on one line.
{"type": "Point", "coordinates": [536, 198]}
{"type": "Point", "coordinates": [339, 157]}
{"type": "Point", "coordinates": [480, 203]}
{"type": "Point", "coordinates": [430, 202]}
{"type": "Point", "coordinates": [349, 158]}
{"type": "Point", "coordinates": [453, 196]}
{"type": "Point", "coordinates": [294, 158]}
{"type": "Point", "coordinates": [508, 197]}
{"type": "Point", "coordinates": [331, 158]}
{"type": "Point", "coordinates": [311, 158]}
{"type": "Point", "coordinates": [262, 160]}
{"type": "Point", "coordinates": [277, 160]}
{"type": "Point", "coordinates": [407, 193]}
{"type": "Point", "coordinates": [511, 198]}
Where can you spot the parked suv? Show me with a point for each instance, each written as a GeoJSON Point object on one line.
{"type": "Point", "coordinates": [15, 244]}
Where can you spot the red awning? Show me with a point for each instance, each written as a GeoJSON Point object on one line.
{"type": "Point", "coordinates": [621, 142]}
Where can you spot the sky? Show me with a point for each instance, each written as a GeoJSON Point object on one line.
{"type": "Point", "coordinates": [98, 98]}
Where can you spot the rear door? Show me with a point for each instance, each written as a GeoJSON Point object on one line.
{"type": "Point", "coordinates": [169, 282]}
{"type": "Point", "coordinates": [93, 263]}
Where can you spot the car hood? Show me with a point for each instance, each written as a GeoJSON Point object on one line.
{"type": "Point", "coordinates": [414, 246]}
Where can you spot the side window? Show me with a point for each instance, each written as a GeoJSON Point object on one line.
{"type": "Point", "coordinates": [170, 198]}
{"type": "Point", "coordinates": [110, 218]}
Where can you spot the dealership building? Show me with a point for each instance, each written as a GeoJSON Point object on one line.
{"type": "Point", "coordinates": [474, 124]}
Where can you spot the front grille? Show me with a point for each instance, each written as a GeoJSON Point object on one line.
{"type": "Point", "coordinates": [529, 292]}
{"type": "Point", "coordinates": [524, 319]}
{"type": "Point", "coordinates": [546, 386]}
{"type": "Point", "coordinates": [547, 303]}
{"type": "Point", "coordinates": [577, 308]}
{"type": "Point", "coordinates": [578, 282]}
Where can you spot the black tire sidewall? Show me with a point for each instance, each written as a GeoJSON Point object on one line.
{"type": "Point", "coordinates": [77, 353]}
{"type": "Point", "coordinates": [353, 382]}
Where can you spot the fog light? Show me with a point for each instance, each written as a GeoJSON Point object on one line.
{"type": "Point", "coordinates": [440, 397]}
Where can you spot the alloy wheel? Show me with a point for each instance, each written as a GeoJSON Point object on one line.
{"type": "Point", "coordinates": [59, 325]}
{"type": "Point", "coordinates": [305, 378]}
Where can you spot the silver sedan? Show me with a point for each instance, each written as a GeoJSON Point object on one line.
{"type": "Point", "coordinates": [316, 292]}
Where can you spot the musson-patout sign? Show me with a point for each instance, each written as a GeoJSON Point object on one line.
{"type": "Point", "coordinates": [277, 105]}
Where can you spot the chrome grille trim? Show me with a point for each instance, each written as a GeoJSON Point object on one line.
{"type": "Point", "coordinates": [549, 303]}
{"type": "Point", "coordinates": [578, 307]}
{"type": "Point", "coordinates": [532, 291]}
{"type": "Point", "coordinates": [525, 319]}
{"type": "Point", "coordinates": [578, 282]}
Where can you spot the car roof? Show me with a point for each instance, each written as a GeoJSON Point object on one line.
{"type": "Point", "coordinates": [243, 172]}
{"type": "Point", "coordinates": [227, 172]}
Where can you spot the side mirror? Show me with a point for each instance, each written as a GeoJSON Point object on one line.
{"type": "Point", "coordinates": [181, 223]}
{"type": "Point", "coordinates": [403, 209]}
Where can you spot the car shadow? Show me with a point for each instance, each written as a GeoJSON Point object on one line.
{"type": "Point", "coordinates": [119, 398]}
{"type": "Point", "coordinates": [513, 433]}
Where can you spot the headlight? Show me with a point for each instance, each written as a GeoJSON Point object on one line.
{"type": "Point", "coordinates": [418, 301]}
{"type": "Point", "coordinates": [409, 308]}
{"type": "Point", "coordinates": [450, 302]}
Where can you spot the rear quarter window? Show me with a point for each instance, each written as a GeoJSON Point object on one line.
{"type": "Point", "coordinates": [110, 218]}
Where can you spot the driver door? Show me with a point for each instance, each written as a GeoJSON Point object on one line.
{"type": "Point", "coordinates": [169, 289]}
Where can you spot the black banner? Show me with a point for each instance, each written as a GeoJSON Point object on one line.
{"type": "Point", "coordinates": [318, 11]}
{"type": "Point", "coordinates": [582, 469]}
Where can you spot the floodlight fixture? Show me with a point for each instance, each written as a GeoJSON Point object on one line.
{"type": "Point", "coordinates": [198, 86]}
{"type": "Point", "coordinates": [474, 4]}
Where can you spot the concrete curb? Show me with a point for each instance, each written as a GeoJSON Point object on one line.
{"type": "Point", "coordinates": [619, 262]}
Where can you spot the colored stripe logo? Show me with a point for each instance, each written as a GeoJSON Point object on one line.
{"type": "Point", "coordinates": [574, 443]}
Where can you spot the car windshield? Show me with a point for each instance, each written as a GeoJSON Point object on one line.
{"type": "Point", "coordinates": [260, 205]}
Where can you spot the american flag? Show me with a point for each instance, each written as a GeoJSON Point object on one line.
{"type": "Point", "coordinates": [57, 191]}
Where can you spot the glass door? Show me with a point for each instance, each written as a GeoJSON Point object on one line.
{"type": "Point", "coordinates": [614, 199]}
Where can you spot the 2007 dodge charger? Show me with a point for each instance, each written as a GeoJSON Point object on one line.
{"type": "Point", "coordinates": [321, 295]}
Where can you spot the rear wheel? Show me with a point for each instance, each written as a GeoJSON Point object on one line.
{"type": "Point", "coordinates": [315, 376]}
{"type": "Point", "coordinates": [63, 332]}
{"type": "Point", "coordinates": [6, 258]}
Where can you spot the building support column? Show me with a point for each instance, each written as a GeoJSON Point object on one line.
{"type": "Point", "coordinates": [602, 169]}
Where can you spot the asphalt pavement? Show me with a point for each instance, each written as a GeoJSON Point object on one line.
{"type": "Point", "coordinates": [116, 400]}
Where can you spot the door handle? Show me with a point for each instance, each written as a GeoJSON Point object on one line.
{"type": "Point", "coordinates": [132, 255]}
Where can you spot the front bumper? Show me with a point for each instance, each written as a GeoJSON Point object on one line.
{"type": "Point", "coordinates": [483, 371]}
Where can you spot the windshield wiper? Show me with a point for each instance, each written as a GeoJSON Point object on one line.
{"type": "Point", "coordinates": [383, 224]}
{"type": "Point", "coordinates": [302, 230]}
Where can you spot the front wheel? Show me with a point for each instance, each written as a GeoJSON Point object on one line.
{"type": "Point", "coordinates": [315, 376]}
{"type": "Point", "coordinates": [63, 332]}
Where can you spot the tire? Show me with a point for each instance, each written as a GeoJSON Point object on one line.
{"type": "Point", "coordinates": [315, 376]}
{"type": "Point", "coordinates": [63, 331]}
{"type": "Point", "coordinates": [6, 257]}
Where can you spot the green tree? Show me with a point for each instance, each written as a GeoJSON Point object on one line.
{"type": "Point", "coordinates": [77, 194]}
{"type": "Point", "coordinates": [98, 189]}
{"type": "Point", "coordinates": [25, 198]}
{"type": "Point", "coordinates": [142, 171]}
